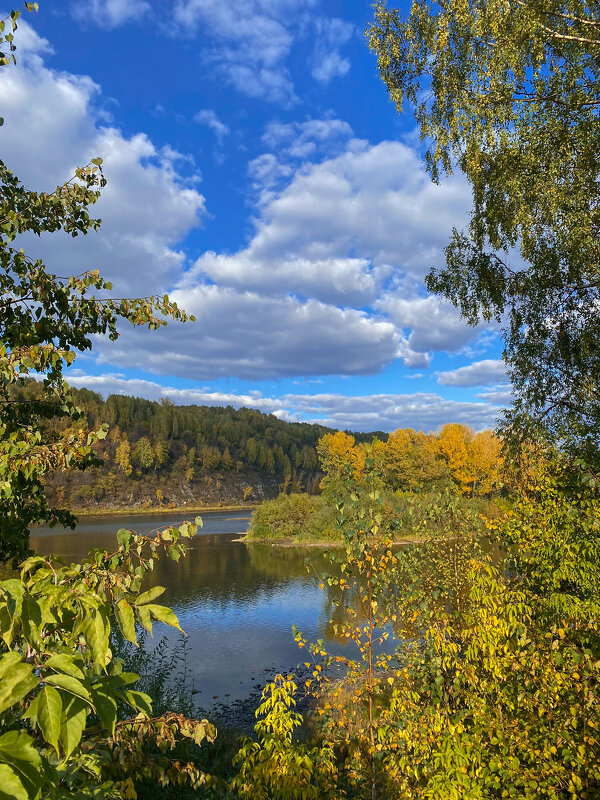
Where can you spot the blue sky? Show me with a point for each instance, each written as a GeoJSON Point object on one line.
{"type": "Point", "coordinates": [258, 173]}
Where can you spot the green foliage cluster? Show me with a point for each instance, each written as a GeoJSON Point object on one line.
{"type": "Point", "coordinates": [73, 722]}
{"type": "Point", "coordinates": [294, 516]}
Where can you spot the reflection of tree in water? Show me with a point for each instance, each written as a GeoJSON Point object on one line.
{"type": "Point", "coordinates": [219, 570]}
{"type": "Point", "coordinates": [287, 562]}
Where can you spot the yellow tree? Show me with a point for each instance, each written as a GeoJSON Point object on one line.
{"type": "Point", "coordinates": [399, 458]}
{"type": "Point", "coordinates": [485, 461]}
{"type": "Point", "coordinates": [123, 455]}
{"type": "Point", "coordinates": [453, 445]}
{"type": "Point", "coordinates": [335, 450]}
{"type": "Point", "coordinates": [412, 459]}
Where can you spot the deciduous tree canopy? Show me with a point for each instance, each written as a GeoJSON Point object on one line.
{"type": "Point", "coordinates": [510, 93]}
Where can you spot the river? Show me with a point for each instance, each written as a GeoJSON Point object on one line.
{"type": "Point", "coordinates": [236, 602]}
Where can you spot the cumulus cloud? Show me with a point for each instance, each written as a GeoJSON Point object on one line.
{"type": "Point", "coordinates": [375, 201]}
{"type": "Point", "coordinates": [267, 173]}
{"type": "Point", "coordinates": [349, 281]}
{"type": "Point", "coordinates": [252, 42]}
{"type": "Point", "coordinates": [302, 140]}
{"type": "Point", "coordinates": [385, 412]}
{"type": "Point", "coordinates": [110, 13]}
{"type": "Point", "coordinates": [118, 383]}
{"type": "Point", "coordinates": [388, 412]}
{"type": "Point", "coordinates": [147, 206]}
{"type": "Point", "coordinates": [294, 145]}
{"type": "Point", "coordinates": [499, 394]}
{"type": "Point", "coordinates": [359, 229]}
{"type": "Point", "coordinates": [479, 373]}
{"type": "Point", "coordinates": [433, 324]}
{"type": "Point", "coordinates": [256, 337]}
{"type": "Point", "coordinates": [330, 35]}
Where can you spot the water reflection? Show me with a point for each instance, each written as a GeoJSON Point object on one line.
{"type": "Point", "coordinates": [236, 602]}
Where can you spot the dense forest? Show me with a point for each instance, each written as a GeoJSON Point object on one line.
{"type": "Point", "coordinates": [158, 453]}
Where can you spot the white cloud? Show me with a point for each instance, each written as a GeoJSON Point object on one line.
{"type": "Point", "coordinates": [257, 337]}
{"type": "Point", "coordinates": [431, 323]}
{"type": "Point", "coordinates": [302, 140]}
{"type": "Point", "coordinates": [374, 201]}
{"type": "Point", "coordinates": [327, 61]}
{"type": "Point", "coordinates": [347, 281]}
{"type": "Point", "coordinates": [385, 412]}
{"type": "Point", "coordinates": [117, 383]}
{"type": "Point", "coordinates": [360, 229]}
{"type": "Point", "coordinates": [500, 394]}
{"type": "Point", "coordinates": [147, 206]}
{"type": "Point", "coordinates": [252, 42]}
{"type": "Point", "coordinates": [268, 173]}
{"type": "Point", "coordinates": [209, 118]}
{"type": "Point", "coordinates": [110, 13]}
{"type": "Point", "coordinates": [479, 373]}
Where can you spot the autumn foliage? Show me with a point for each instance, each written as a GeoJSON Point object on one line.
{"type": "Point", "coordinates": [410, 460]}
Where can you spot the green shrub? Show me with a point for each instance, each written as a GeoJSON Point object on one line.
{"type": "Point", "coordinates": [294, 516]}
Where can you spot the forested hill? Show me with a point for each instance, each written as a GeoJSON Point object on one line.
{"type": "Point", "coordinates": [158, 452]}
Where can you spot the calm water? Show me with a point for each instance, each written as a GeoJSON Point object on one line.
{"type": "Point", "coordinates": [236, 602]}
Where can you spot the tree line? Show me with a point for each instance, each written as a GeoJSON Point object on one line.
{"type": "Point", "coordinates": [165, 448]}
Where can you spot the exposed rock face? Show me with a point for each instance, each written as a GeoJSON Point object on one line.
{"type": "Point", "coordinates": [98, 489]}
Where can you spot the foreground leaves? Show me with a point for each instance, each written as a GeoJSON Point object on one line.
{"type": "Point", "coordinates": [73, 722]}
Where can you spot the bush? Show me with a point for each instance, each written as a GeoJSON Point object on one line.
{"type": "Point", "coordinates": [294, 516]}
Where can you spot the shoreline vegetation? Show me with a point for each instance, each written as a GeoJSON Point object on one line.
{"type": "Point", "coordinates": [411, 472]}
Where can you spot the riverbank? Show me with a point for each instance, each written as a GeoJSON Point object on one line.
{"type": "Point", "coordinates": [158, 510]}
{"type": "Point", "coordinates": [322, 543]}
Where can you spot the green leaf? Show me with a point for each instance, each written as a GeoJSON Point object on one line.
{"type": "Point", "coordinates": [174, 553]}
{"type": "Point", "coordinates": [31, 617]}
{"type": "Point", "coordinates": [95, 629]}
{"type": "Point", "coordinates": [143, 615]}
{"type": "Point", "coordinates": [164, 614]}
{"type": "Point", "coordinates": [126, 620]}
{"type": "Point", "coordinates": [11, 785]}
{"type": "Point", "coordinates": [61, 662]}
{"type": "Point", "coordinates": [124, 538]}
{"type": "Point", "coordinates": [106, 708]}
{"type": "Point", "coordinates": [46, 711]}
{"type": "Point", "coordinates": [16, 680]}
{"type": "Point", "coordinates": [71, 685]}
{"type": "Point", "coordinates": [122, 679]}
{"type": "Point", "coordinates": [149, 596]}
{"type": "Point", "coordinates": [72, 725]}
{"type": "Point", "coordinates": [138, 700]}
{"type": "Point", "coordinates": [16, 750]}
